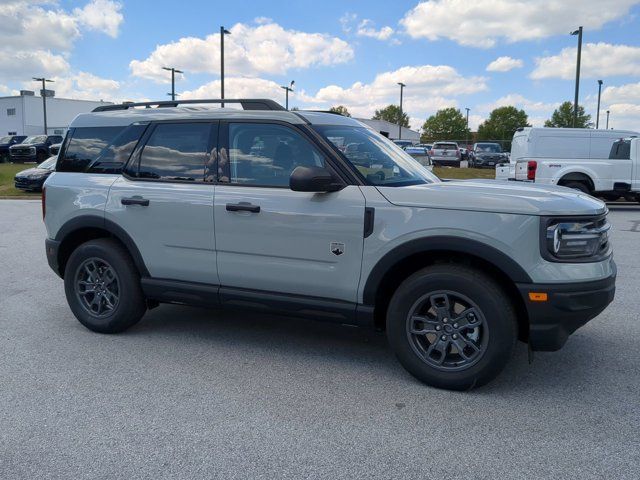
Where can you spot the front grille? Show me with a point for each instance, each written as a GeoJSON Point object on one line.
{"type": "Point", "coordinates": [20, 152]}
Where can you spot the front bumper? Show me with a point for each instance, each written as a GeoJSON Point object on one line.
{"type": "Point", "coordinates": [568, 307]}
{"type": "Point", "coordinates": [29, 184]}
{"type": "Point", "coordinates": [52, 247]}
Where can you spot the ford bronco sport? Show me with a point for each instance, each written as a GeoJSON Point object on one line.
{"type": "Point", "coordinates": [313, 214]}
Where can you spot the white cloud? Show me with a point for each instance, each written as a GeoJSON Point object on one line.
{"type": "Point", "coordinates": [429, 88]}
{"type": "Point", "coordinates": [598, 60]}
{"type": "Point", "coordinates": [517, 100]}
{"type": "Point", "coordinates": [240, 87]}
{"type": "Point", "coordinates": [629, 93]}
{"type": "Point", "coordinates": [623, 116]}
{"type": "Point", "coordinates": [249, 50]}
{"type": "Point", "coordinates": [481, 23]}
{"type": "Point", "coordinates": [21, 64]}
{"type": "Point", "coordinates": [366, 29]}
{"type": "Point", "coordinates": [101, 15]}
{"type": "Point", "coordinates": [504, 64]}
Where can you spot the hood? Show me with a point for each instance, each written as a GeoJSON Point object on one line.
{"type": "Point", "coordinates": [497, 197]}
{"type": "Point", "coordinates": [33, 171]}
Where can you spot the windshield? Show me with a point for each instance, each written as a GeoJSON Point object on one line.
{"type": "Point", "coordinates": [49, 163]}
{"type": "Point", "coordinates": [445, 146]}
{"type": "Point", "coordinates": [34, 140]}
{"type": "Point", "coordinates": [488, 147]}
{"type": "Point", "coordinates": [6, 139]}
{"type": "Point", "coordinates": [380, 161]}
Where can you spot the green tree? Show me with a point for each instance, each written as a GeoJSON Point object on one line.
{"type": "Point", "coordinates": [341, 109]}
{"type": "Point", "coordinates": [391, 113]}
{"type": "Point", "coordinates": [502, 123]}
{"type": "Point", "coordinates": [446, 124]}
{"type": "Point", "coordinates": [562, 117]}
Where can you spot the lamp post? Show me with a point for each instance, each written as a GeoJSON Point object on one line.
{"type": "Point", "coordinates": [607, 120]}
{"type": "Point", "coordinates": [44, 99]}
{"type": "Point", "coordinates": [173, 80]}
{"type": "Point", "coordinates": [598, 114]}
{"type": "Point", "coordinates": [288, 89]}
{"type": "Point", "coordinates": [402, 85]}
{"type": "Point", "coordinates": [575, 101]}
{"type": "Point", "coordinates": [467, 139]}
{"type": "Point", "coordinates": [223, 32]}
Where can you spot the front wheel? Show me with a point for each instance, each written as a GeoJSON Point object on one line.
{"type": "Point", "coordinates": [102, 287]}
{"type": "Point", "coordinates": [451, 326]}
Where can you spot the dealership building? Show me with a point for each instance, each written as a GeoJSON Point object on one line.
{"type": "Point", "coordinates": [390, 130]}
{"type": "Point", "coordinates": [23, 114]}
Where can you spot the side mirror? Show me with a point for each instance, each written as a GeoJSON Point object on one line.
{"type": "Point", "coordinates": [313, 179]}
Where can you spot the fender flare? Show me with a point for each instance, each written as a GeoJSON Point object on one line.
{"type": "Point", "coordinates": [94, 221]}
{"type": "Point", "coordinates": [441, 243]}
{"type": "Point", "coordinates": [569, 170]}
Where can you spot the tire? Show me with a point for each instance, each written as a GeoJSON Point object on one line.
{"type": "Point", "coordinates": [583, 187]}
{"type": "Point", "coordinates": [610, 197]}
{"type": "Point", "coordinates": [493, 316]}
{"type": "Point", "coordinates": [119, 289]}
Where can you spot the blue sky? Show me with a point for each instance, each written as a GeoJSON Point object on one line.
{"type": "Point", "coordinates": [338, 52]}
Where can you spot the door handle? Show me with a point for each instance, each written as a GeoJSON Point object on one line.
{"type": "Point", "coordinates": [243, 207]}
{"type": "Point", "coordinates": [135, 201]}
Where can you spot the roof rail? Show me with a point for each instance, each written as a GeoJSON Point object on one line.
{"type": "Point", "coordinates": [247, 104]}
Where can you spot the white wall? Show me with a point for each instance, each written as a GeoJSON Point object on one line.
{"type": "Point", "coordinates": [391, 129]}
{"type": "Point", "coordinates": [29, 119]}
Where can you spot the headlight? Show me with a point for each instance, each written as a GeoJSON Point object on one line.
{"type": "Point", "coordinates": [32, 149]}
{"type": "Point", "coordinates": [575, 239]}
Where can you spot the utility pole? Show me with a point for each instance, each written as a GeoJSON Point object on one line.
{"type": "Point", "coordinates": [598, 114]}
{"type": "Point", "coordinates": [173, 80]}
{"type": "Point", "coordinates": [44, 99]}
{"type": "Point", "coordinates": [607, 120]}
{"type": "Point", "coordinates": [575, 101]}
{"type": "Point", "coordinates": [288, 89]}
{"type": "Point", "coordinates": [223, 32]}
{"type": "Point", "coordinates": [402, 85]}
{"type": "Point", "coordinates": [467, 139]}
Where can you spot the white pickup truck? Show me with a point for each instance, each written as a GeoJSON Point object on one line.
{"type": "Point", "coordinates": [598, 162]}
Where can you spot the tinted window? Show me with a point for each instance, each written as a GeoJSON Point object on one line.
{"type": "Point", "coordinates": [84, 146]}
{"type": "Point", "coordinates": [375, 157]}
{"type": "Point", "coordinates": [449, 146]}
{"type": "Point", "coordinates": [265, 154]}
{"type": "Point", "coordinates": [115, 155]}
{"type": "Point", "coordinates": [176, 151]}
{"type": "Point", "coordinates": [621, 150]}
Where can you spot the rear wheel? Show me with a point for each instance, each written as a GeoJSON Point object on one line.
{"type": "Point", "coordinates": [451, 326]}
{"type": "Point", "coordinates": [102, 287]}
{"type": "Point", "coordinates": [583, 187]}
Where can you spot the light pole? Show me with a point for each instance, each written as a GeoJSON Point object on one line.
{"type": "Point", "coordinates": [173, 80]}
{"type": "Point", "coordinates": [607, 120]}
{"type": "Point", "coordinates": [44, 99]}
{"type": "Point", "coordinates": [467, 139]}
{"type": "Point", "coordinates": [598, 114]}
{"type": "Point", "coordinates": [223, 32]}
{"type": "Point", "coordinates": [288, 89]}
{"type": "Point", "coordinates": [173, 95]}
{"type": "Point", "coordinates": [402, 85]}
{"type": "Point", "coordinates": [575, 101]}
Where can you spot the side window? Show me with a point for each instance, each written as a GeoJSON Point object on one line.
{"type": "Point", "coordinates": [114, 156]}
{"type": "Point", "coordinates": [621, 150]}
{"type": "Point", "coordinates": [263, 154]}
{"type": "Point", "coordinates": [84, 146]}
{"type": "Point", "coordinates": [176, 151]}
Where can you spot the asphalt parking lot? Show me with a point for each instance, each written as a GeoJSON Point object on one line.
{"type": "Point", "coordinates": [189, 393]}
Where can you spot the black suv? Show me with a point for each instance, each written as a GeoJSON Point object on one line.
{"type": "Point", "coordinates": [34, 148]}
{"type": "Point", "coordinates": [6, 142]}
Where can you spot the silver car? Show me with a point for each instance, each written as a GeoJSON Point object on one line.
{"type": "Point", "coordinates": [445, 154]}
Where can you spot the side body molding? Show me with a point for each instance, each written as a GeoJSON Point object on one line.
{"type": "Point", "coordinates": [443, 244]}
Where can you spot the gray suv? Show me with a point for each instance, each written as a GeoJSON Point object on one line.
{"type": "Point", "coordinates": [315, 215]}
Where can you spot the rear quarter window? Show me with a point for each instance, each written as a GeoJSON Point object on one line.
{"type": "Point", "coordinates": [620, 150]}
{"type": "Point", "coordinates": [83, 147]}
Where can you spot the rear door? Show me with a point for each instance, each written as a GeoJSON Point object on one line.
{"type": "Point", "coordinates": [164, 201]}
{"type": "Point", "coordinates": [272, 239]}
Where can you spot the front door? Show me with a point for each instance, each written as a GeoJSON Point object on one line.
{"type": "Point", "coordinates": [270, 238]}
{"type": "Point", "coordinates": [165, 203]}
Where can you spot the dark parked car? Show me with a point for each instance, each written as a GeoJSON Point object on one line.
{"type": "Point", "coordinates": [33, 178]}
{"type": "Point", "coordinates": [488, 155]}
{"type": "Point", "coordinates": [6, 142]}
{"type": "Point", "coordinates": [33, 149]}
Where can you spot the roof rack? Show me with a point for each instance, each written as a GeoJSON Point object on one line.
{"type": "Point", "coordinates": [247, 104]}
